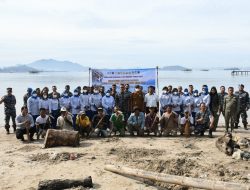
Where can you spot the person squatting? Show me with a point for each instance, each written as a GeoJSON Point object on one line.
{"type": "Point", "coordinates": [96, 112]}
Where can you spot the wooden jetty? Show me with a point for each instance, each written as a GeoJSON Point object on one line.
{"type": "Point", "coordinates": [240, 72]}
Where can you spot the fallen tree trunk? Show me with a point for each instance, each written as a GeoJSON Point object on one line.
{"type": "Point", "coordinates": [64, 184]}
{"type": "Point", "coordinates": [178, 180]}
{"type": "Point", "coordinates": [61, 138]}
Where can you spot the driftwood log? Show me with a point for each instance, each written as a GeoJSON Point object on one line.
{"type": "Point", "coordinates": [178, 180]}
{"type": "Point", "coordinates": [226, 144]}
{"type": "Point", "coordinates": [60, 184]}
{"type": "Point", "coordinates": [61, 138]}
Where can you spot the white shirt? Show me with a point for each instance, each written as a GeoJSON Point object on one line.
{"type": "Point", "coordinates": [63, 124]}
{"type": "Point", "coordinates": [151, 100]}
{"type": "Point", "coordinates": [40, 120]}
{"type": "Point", "coordinates": [183, 120]}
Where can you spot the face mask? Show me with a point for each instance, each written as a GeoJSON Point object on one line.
{"type": "Point", "coordinates": [65, 94]}
{"type": "Point", "coordinates": [85, 91]}
{"type": "Point", "coordinates": [186, 93]}
{"type": "Point", "coordinates": [203, 91]}
{"type": "Point", "coordinates": [137, 89]}
{"type": "Point", "coordinates": [75, 93]}
{"type": "Point", "coordinates": [195, 94]}
{"type": "Point", "coordinates": [34, 95]}
{"type": "Point", "coordinates": [175, 93]}
{"type": "Point", "coordinates": [45, 96]}
{"type": "Point", "coordinates": [96, 91]}
{"type": "Point", "coordinates": [54, 96]}
{"type": "Point", "coordinates": [164, 92]}
{"type": "Point", "coordinates": [107, 94]}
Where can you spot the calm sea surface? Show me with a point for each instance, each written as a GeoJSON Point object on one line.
{"type": "Point", "coordinates": [20, 81]}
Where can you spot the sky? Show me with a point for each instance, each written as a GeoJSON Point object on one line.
{"type": "Point", "coordinates": [126, 34]}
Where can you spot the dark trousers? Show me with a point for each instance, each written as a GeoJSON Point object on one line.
{"type": "Point", "coordinates": [55, 114]}
{"type": "Point", "coordinates": [34, 119]}
{"type": "Point", "coordinates": [74, 122]}
{"type": "Point", "coordinates": [21, 132]}
{"type": "Point", "coordinates": [243, 115]}
{"type": "Point", "coordinates": [7, 121]}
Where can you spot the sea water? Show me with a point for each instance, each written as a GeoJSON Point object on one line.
{"type": "Point", "coordinates": [21, 81]}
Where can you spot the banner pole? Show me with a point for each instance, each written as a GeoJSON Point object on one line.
{"type": "Point", "coordinates": [158, 90]}
{"type": "Point", "coordinates": [89, 75]}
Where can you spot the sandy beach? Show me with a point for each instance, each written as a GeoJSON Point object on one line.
{"type": "Point", "coordinates": [24, 165]}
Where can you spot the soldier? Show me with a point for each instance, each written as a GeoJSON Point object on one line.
{"type": "Point", "coordinates": [137, 99]}
{"type": "Point", "coordinates": [122, 100]}
{"type": "Point", "coordinates": [222, 94]}
{"type": "Point", "coordinates": [9, 101]}
{"type": "Point", "coordinates": [243, 98]}
{"type": "Point", "coordinates": [230, 108]}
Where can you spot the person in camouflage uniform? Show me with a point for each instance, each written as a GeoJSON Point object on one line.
{"type": "Point", "coordinates": [230, 108]}
{"type": "Point", "coordinates": [222, 94]}
{"type": "Point", "coordinates": [122, 100]}
{"type": "Point", "coordinates": [243, 98]}
{"type": "Point", "coordinates": [9, 101]}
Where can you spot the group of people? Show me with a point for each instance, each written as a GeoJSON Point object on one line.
{"type": "Point", "coordinates": [94, 111]}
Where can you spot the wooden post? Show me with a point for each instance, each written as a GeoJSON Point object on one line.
{"type": "Point", "coordinates": [61, 138]}
{"type": "Point", "coordinates": [178, 180]}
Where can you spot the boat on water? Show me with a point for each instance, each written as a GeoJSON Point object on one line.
{"type": "Point", "coordinates": [187, 70]}
{"type": "Point", "coordinates": [204, 69]}
{"type": "Point", "coordinates": [34, 72]}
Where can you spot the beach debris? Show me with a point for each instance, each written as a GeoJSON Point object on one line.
{"type": "Point", "coordinates": [174, 179]}
{"type": "Point", "coordinates": [60, 184]}
{"type": "Point", "coordinates": [61, 138]}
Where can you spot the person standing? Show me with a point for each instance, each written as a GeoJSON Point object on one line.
{"type": "Point", "coordinates": [222, 94]}
{"type": "Point", "coordinates": [214, 106]}
{"type": "Point", "coordinates": [55, 109]}
{"type": "Point", "coordinates": [122, 100]}
{"type": "Point", "coordinates": [176, 102]}
{"type": "Point", "coordinates": [25, 125]}
{"type": "Point", "coordinates": [137, 99]}
{"type": "Point", "coordinates": [196, 103]}
{"type": "Point", "coordinates": [54, 92]}
{"type": "Point", "coordinates": [67, 90]}
{"type": "Point", "coordinates": [75, 105]}
{"type": "Point", "coordinates": [205, 96]}
{"type": "Point", "coordinates": [151, 99]}
{"type": "Point", "coordinates": [108, 103]}
{"type": "Point", "coordinates": [44, 102]}
{"type": "Point", "coordinates": [187, 101]}
{"type": "Point", "coordinates": [33, 106]}
{"type": "Point", "coordinates": [95, 101]}
{"type": "Point", "coordinates": [26, 96]}
{"type": "Point", "coordinates": [243, 98]}
{"type": "Point", "coordinates": [65, 101]}
{"type": "Point", "coordinates": [84, 100]}
{"type": "Point", "coordinates": [165, 99]}
{"type": "Point", "coordinates": [230, 108]}
{"type": "Point", "coordinates": [9, 101]}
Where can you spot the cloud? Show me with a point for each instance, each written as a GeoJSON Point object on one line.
{"type": "Point", "coordinates": [119, 32]}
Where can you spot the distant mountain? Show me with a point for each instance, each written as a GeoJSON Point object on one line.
{"type": "Point", "coordinates": [54, 65]}
{"type": "Point", "coordinates": [18, 69]}
{"type": "Point", "coordinates": [174, 68]}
